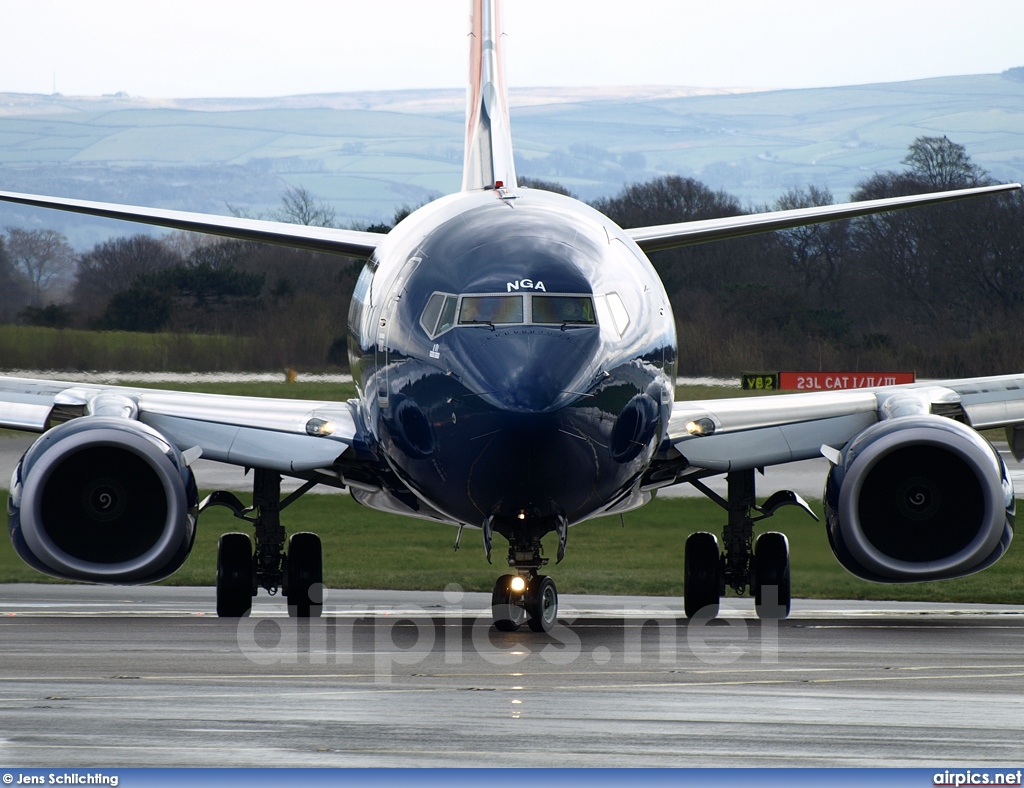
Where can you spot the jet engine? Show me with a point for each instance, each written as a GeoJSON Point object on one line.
{"type": "Point", "coordinates": [918, 498]}
{"type": "Point", "coordinates": [103, 499]}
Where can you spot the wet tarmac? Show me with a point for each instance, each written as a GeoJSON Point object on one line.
{"type": "Point", "coordinates": [150, 677]}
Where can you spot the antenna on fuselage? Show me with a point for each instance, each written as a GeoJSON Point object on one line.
{"type": "Point", "coordinates": [488, 158]}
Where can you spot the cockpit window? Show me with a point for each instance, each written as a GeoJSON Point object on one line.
{"type": "Point", "coordinates": [432, 311]}
{"type": "Point", "coordinates": [563, 309]}
{"type": "Point", "coordinates": [612, 312]}
{"type": "Point", "coordinates": [491, 309]}
{"type": "Point", "coordinates": [439, 314]}
{"type": "Point", "coordinates": [445, 310]}
{"type": "Point", "coordinates": [619, 313]}
{"type": "Point", "coordinates": [447, 314]}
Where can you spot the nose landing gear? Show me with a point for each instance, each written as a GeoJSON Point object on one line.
{"type": "Point", "coordinates": [532, 600]}
{"type": "Point", "coordinates": [526, 597]}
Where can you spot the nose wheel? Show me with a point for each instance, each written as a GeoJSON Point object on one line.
{"type": "Point", "coordinates": [541, 604]}
{"type": "Point", "coordinates": [518, 600]}
{"type": "Point", "coordinates": [507, 608]}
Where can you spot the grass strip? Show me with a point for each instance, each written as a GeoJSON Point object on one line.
{"type": "Point", "coordinates": [364, 548]}
{"type": "Point", "coordinates": [29, 347]}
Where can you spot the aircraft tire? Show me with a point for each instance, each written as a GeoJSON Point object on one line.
{"type": "Point", "coordinates": [542, 604]}
{"type": "Point", "coordinates": [702, 576]}
{"type": "Point", "coordinates": [234, 575]}
{"type": "Point", "coordinates": [304, 587]}
{"type": "Point", "coordinates": [506, 614]}
{"type": "Point", "coordinates": [771, 568]}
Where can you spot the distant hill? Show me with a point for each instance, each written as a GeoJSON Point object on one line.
{"type": "Point", "coordinates": [366, 153]}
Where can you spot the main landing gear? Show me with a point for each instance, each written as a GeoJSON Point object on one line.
{"type": "Point", "coordinates": [241, 570]}
{"type": "Point", "coordinates": [527, 596]}
{"type": "Point", "coordinates": [762, 565]}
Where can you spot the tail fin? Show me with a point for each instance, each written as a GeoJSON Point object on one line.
{"type": "Point", "coordinates": [488, 135]}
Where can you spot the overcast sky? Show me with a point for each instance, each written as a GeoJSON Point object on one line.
{"type": "Point", "coordinates": [193, 48]}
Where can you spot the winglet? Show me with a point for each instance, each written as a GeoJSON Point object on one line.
{"type": "Point", "coordinates": [488, 161]}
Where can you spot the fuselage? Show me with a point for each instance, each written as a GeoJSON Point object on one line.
{"type": "Point", "coordinates": [515, 355]}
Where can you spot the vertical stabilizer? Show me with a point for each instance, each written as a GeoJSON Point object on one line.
{"type": "Point", "coordinates": [488, 135]}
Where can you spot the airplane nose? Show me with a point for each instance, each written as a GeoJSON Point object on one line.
{"type": "Point", "coordinates": [530, 370]}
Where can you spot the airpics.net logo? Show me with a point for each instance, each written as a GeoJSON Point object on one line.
{"type": "Point", "coordinates": [389, 639]}
{"type": "Point", "coordinates": [957, 779]}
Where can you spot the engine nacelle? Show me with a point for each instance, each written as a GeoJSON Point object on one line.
{"type": "Point", "coordinates": [919, 498]}
{"type": "Point", "coordinates": [106, 500]}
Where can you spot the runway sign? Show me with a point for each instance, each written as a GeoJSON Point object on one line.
{"type": "Point", "coordinates": [760, 381]}
{"type": "Point", "coordinates": [830, 381]}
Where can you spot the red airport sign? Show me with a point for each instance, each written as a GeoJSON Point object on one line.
{"type": "Point", "coordinates": [832, 381]}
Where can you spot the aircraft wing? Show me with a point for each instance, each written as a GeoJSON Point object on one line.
{"type": "Point", "coordinates": [351, 243]}
{"type": "Point", "coordinates": [289, 436]}
{"type": "Point", "coordinates": [671, 236]}
{"type": "Point", "coordinates": [752, 432]}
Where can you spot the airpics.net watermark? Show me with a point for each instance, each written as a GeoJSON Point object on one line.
{"type": "Point", "coordinates": [956, 779]}
{"type": "Point", "coordinates": [390, 639]}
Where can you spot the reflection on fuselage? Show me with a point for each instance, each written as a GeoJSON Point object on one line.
{"type": "Point", "coordinates": [499, 376]}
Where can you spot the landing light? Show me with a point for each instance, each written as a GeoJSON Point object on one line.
{"type": "Point", "coordinates": [517, 584]}
{"type": "Point", "coordinates": [700, 427]}
{"type": "Point", "coordinates": [521, 515]}
{"type": "Point", "coordinates": [319, 427]}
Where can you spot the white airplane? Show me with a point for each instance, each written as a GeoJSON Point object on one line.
{"type": "Point", "coordinates": [514, 354]}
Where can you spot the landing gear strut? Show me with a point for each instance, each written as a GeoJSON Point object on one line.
{"type": "Point", "coordinates": [242, 570]}
{"type": "Point", "coordinates": [762, 565]}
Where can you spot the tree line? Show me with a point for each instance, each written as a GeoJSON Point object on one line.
{"type": "Point", "coordinates": [934, 290]}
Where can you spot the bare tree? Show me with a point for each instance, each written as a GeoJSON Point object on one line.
{"type": "Point", "coordinates": [13, 289]}
{"type": "Point", "coordinates": [943, 164]}
{"type": "Point", "coordinates": [44, 258]}
{"type": "Point", "coordinates": [548, 186]}
{"type": "Point", "coordinates": [183, 243]}
{"type": "Point", "coordinates": [299, 206]}
{"type": "Point", "coordinates": [669, 199]}
{"type": "Point", "coordinates": [114, 266]}
{"type": "Point", "coordinates": [816, 251]}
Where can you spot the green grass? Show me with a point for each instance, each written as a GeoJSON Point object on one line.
{"type": "Point", "coordinates": [368, 549]}
{"type": "Point", "coordinates": [298, 390]}
{"type": "Point", "coordinates": [22, 347]}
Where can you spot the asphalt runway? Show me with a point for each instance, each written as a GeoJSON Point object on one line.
{"type": "Point", "coordinates": [94, 676]}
